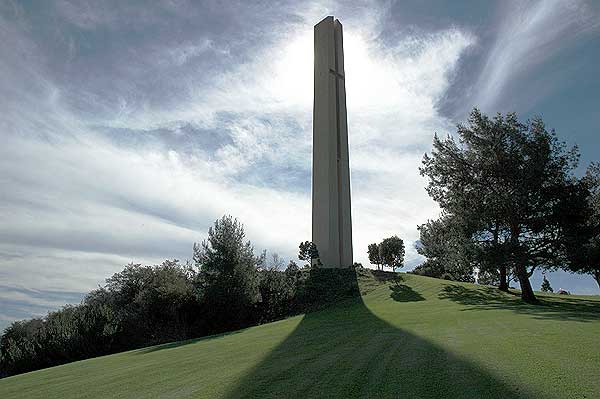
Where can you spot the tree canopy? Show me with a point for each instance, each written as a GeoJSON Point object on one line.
{"type": "Point", "coordinates": [389, 253]}
{"type": "Point", "coordinates": [585, 236]}
{"type": "Point", "coordinates": [510, 187]}
{"type": "Point", "coordinates": [227, 273]}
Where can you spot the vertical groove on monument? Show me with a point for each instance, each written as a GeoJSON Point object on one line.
{"type": "Point", "coordinates": [331, 215]}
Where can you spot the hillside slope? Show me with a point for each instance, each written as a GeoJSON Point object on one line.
{"type": "Point", "coordinates": [415, 338]}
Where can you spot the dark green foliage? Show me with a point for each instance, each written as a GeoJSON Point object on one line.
{"type": "Point", "coordinates": [227, 278]}
{"type": "Point", "coordinates": [585, 236]}
{"type": "Point", "coordinates": [429, 268]}
{"type": "Point", "coordinates": [546, 287]}
{"type": "Point", "coordinates": [318, 287]}
{"type": "Point", "coordinates": [447, 276]}
{"type": "Point", "coordinates": [448, 250]}
{"type": "Point", "coordinates": [391, 251]}
{"type": "Point", "coordinates": [141, 305]}
{"type": "Point", "coordinates": [489, 276]}
{"type": "Point", "coordinates": [19, 347]}
{"type": "Point", "coordinates": [145, 305]}
{"type": "Point", "coordinates": [292, 270]}
{"type": "Point", "coordinates": [374, 255]}
{"type": "Point", "coordinates": [154, 303]}
{"type": "Point", "coordinates": [510, 187]}
{"type": "Point", "coordinates": [307, 251]}
{"type": "Point", "coordinates": [277, 289]}
{"type": "Point", "coordinates": [73, 333]}
{"type": "Point", "coordinates": [433, 268]}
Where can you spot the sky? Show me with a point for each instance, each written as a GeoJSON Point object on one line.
{"type": "Point", "coordinates": [128, 128]}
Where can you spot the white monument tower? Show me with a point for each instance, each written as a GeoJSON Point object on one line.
{"type": "Point", "coordinates": [331, 218]}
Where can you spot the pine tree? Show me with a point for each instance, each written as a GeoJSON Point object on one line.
{"type": "Point", "coordinates": [512, 187]}
{"type": "Point", "coordinates": [546, 285]}
{"type": "Point", "coordinates": [308, 252]}
{"type": "Point", "coordinates": [228, 277]}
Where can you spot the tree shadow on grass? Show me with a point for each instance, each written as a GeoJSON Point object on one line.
{"type": "Point", "coordinates": [400, 292]}
{"type": "Point", "coordinates": [557, 308]}
{"type": "Point", "coordinates": [404, 293]}
{"type": "Point", "coordinates": [348, 352]}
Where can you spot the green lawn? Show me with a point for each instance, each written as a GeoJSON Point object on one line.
{"type": "Point", "coordinates": [417, 338]}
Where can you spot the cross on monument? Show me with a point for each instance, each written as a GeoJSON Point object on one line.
{"type": "Point", "coordinates": [331, 214]}
{"type": "Point", "coordinates": [337, 74]}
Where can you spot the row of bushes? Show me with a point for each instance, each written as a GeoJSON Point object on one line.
{"type": "Point", "coordinates": [148, 305]}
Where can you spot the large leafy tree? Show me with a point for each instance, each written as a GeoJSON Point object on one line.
{"type": "Point", "coordinates": [468, 179]}
{"type": "Point", "coordinates": [228, 276]}
{"type": "Point", "coordinates": [512, 186]}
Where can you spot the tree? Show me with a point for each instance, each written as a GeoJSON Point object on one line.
{"type": "Point", "coordinates": [546, 285]}
{"type": "Point", "coordinates": [585, 237]}
{"type": "Point", "coordinates": [490, 276]}
{"type": "Point", "coordinates": [228, 277]}
{"type": "Point", "coordinates": [308, 251]}
{"type": "Point", "coordinates": [448, 249]}
{"type": "Point", "coordinates": [391, 252]}
{"type": "Point", "coordinates": [513, 184]}
{"type": "Point", "coordinates": [292, 268]}
{"type": "Point", "coordinates": [430, 268]}
{"type": "Point", "coordinates": [374, 255]}
{"type": "Point", "coordinates": [276, 294]}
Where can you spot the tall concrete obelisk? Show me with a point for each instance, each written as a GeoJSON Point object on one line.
{"type": "Point", "coordinates": [331, 217]}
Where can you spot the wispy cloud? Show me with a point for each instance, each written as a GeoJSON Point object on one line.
{"type": "Point", "coordinates": [529, 34]}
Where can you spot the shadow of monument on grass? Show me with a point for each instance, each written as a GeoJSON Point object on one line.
{"type": "Point", "coordinates": [346, 351]}
{"type": "Point", "coordinates": [558, 308]}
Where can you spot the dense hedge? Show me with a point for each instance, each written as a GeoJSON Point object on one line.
{"type": "Point", "coordinates": [148, 305]}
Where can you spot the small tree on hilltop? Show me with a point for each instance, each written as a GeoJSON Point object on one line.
{"type": "Point", "coordinates": [391, 252]}
{"type": "Point", "coordinates": [546, 285]}
{"type": "Point", "coordinates": [308, 251]}
{"type": "Point", "coordinates": [374, 255]}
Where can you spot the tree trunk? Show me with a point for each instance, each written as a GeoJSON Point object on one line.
{"type": "Point", "coordinates": [526, 291]}
{"type": "Point", "coordinates": [520, 269]}
{"type": "Point", "coordinates": [503, 282]}
{"type": "Point", "coordinates": [596, 275]}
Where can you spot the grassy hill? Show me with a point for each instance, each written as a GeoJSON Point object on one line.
{"type": "Point", "coordinates": [415, 337]}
